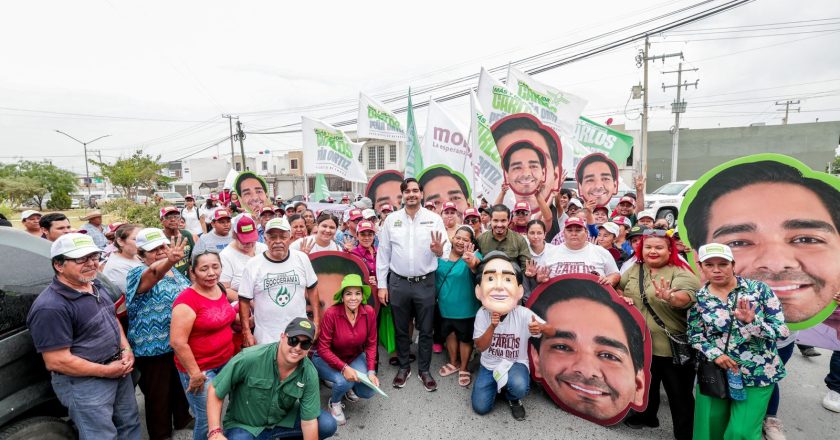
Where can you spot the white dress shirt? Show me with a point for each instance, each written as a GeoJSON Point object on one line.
{"type": "Point", "coordinates": [404, 245]}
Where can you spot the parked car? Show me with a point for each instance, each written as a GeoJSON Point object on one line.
{"type": "Point", "coordinates": [29, 408]}
{"type": "Point", "coordinates": [110, 197]}
{"type": "Point", "coordinates": [666, 200]}
{"type": "Point", "coordinates": [172, 198]}
{"type": "Point", "coordinates": [75, 203]}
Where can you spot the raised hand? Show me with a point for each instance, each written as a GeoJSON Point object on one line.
{"type": "Point", "coordinates": [530, 268]}
{"type": "Point", "coordinates": [745, 311]}
{"type": "Point", "coordinates": [639, 181]}
{"type": "Point", "coordinates": [663, 289]}
{"type": "Point", "coordinates": [542, 274]}
{"type": "Point", "coordinates": [593, 240]}
{"type": "Point", "coordinates": [590, 205]}
{"type": "Point", "coordinates": [534, 327]}
{"type": "Point", "coordinates": [437, 243]}
{"type": "Point", "coordinates": [349, 243]}
{"type": "Point", "coordinates": [176, 249]}
{"type": "Point", "coordinates": [469, 253]}
{"type": "Point", "coordinates": [306, 245]}
{"type": "Point", "coordinates": [495, 318]}
{"type": "Point", "coordinates": [505, 187]}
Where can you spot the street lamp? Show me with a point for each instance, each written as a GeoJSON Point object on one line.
{"type": "Point", "coordinates": [84, 144]}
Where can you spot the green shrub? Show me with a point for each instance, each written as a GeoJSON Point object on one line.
{"type": "Point", "coordinates": [59, 201]}
{"type": "Point", "coordinates": [129, 211]}
{"type": "Point", "coordinates": [7, 211]}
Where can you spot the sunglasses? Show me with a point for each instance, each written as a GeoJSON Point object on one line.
{"type": "Point", "coordinates": [472, 220]}
{"type": "Point", "coordinates": [656, 232]}
{"type": "Point", "coordinates": [521, 213]}
{"type": "Point", "coordinates": [305, 344]}
{"type": "Point", "coordinates": [82, 260]}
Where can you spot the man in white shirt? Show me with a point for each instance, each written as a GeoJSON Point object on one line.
{"type": "Point", "coordinates": [192, 217]}
{"type": "Point", "coordinates": [410, 242]}
{"type": "Point", "coordinates": [30, 220]}
{"type": "Point", "coordinates": [219, 237]}
{"type": "Point", "coordinates": [577, 255]}
{"type": "Point", "coordinates": [279, 281]}
{"type": "Point", "coordinates": [243, 247]}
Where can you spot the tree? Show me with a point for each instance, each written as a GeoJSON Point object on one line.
{"type": "Point", "coordinates": [833, 166]}
{"type": "Point", "coordinates": [16, 190]}
{"type": "Point", "coordinates": [135, 172]}
{"type": "Point", "coordinates": [55, 181]}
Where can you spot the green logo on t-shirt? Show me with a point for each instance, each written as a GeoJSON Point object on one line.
{"type": "Point", "coordinates": [284, 281]}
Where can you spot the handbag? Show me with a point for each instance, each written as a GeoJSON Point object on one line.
{"type": "Point", "coordinates": [681, 352]}
{"type": "Point", "coordinates": [711, 379]}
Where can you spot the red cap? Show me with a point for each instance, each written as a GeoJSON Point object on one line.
{"type": "Point", "coordinates": [572, 221]}
{"type": "Point", "coordinates": [621, 220]}
{"type": "Point", "coordinates": [168, 210]}
{"type": "Point", "coordinates": [220, 214]}
{"type": "Point", "coordinates": [112, 228]}
{"type": "Point", "coordinates": [189, 196]}
{"type": "Point", "coordinates": [448, 205]}
{"type": "Point", "coordinates": [386, 208]}
{"type": "Point", "coordinates": [355, 214]}
{"type": "Point", "coordinates": [471, 212]}
{"type": "Point", "coordinates": [267, 210]}
{"type": "Point", "coordinates": [365, 226]}
{"type": "Point", "coordinates": [521, 206]}
{"type": "Point", "coordinates": [245, 228]}
{"type": "Point", "coordinates": [627, 199]}
{"type": "Point", "coordinates": [605, 208]}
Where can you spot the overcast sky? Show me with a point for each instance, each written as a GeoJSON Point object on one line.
{"type": "Point", "coordinates": [159, 74]}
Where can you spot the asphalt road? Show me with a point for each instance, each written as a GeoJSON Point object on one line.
{"type": "Point", "coordinates": [414, 413]}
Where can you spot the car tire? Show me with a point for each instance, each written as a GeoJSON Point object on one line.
{"type": "Point", "coordinates": [41, 428]}
{"type": "Point", "coordinates": [668, 214]}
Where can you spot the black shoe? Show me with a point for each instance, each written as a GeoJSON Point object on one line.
{"type": "Point", "coordinates": [810, 352]}
{"type": "Point", "coordinates": [517, 409]}
{"type": "Point", "coordinates": [637, 422]}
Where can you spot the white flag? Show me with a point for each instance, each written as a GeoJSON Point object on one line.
{"type": "Point", "coordinates": [328, 150]}
{"type": "Point", "coordinates": [445, 144]}
{"type": "Point", "coordinates": [485, 154]}
{"type": "Point", "coordinates": [377, 122]}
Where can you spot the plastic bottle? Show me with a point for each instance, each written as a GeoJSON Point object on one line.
{"type": "Point", "coordinates": [736, 384]}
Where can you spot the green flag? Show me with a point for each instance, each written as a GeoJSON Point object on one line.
{"type": "Point", "coordinates": [414, 159]}
{"type": "Point", "coordinates": [322, 191]}
{"type": "Point", "coordinates": [604, 139]}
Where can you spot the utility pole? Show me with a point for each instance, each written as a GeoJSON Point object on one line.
{"type": "Point", "coordinates": [677, 107]}
{"type": "Point", "coordinates": [84, 145]}
{"type": "Point", "coordinates": [232, 154]}
{"type": "Point", "coordinates": [642, 59]}
{"type": "Point", "coordinates": [787, 105]}
{"type": "Point", "coordinates": [241, 135]}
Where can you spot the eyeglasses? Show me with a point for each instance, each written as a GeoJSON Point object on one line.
{"type": "Point", "coordinates": [521, 213]}
{"type": "Point", "coordinates": [656, 232]}
{"type": "Point", "coordinates": [91, 257]}
{"type": "Point", "coordinates": [472, 220]}
{"type": "Point", "coordinates": [305, 344]}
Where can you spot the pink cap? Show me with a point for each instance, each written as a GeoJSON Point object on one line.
{"type": "Point", "coordinates": [574, 221]}
{"type": "Point", "coordinates": [220, 214]}
{"type": "Point", "coordinates": [355, 214]}
{"type": "Point", "coordinates": [627, 199]}
{"type": "Point", "coordinates": [471, 212]}
{"type": "Point", "coordinates": [168, 210]}
{"type": "Point", "coordinates": [521, 206]}
{"type": "Point", "coordinates": [365, 226]}
{"type": "Point", "coordinates": [448, 205]}
{"type": "Point", "coordinates": [245, 228]}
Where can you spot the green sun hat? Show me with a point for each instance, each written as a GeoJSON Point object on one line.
{"type": "Point", "coordinates": [352, 280]}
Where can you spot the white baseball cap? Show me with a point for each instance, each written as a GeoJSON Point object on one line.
{"type": "Point", "coordinates": [368, 213]}
{"type": "Point", "coordinates": [28, 213]}
{"type": "Point", "coordinates": [611, 227]}
{"type": "Point", "coordinates": [644, 214]}
{"type": "Point", "coordinates": [73, 245]}
{"type": "Point", "coordinates": [278, 223]}
{"type": "Point", "coordinates": [715, 250]}
{"type": "Point", "coordinates": [576, 202]}
{"type": "Point", "coordinates": [150, 238]}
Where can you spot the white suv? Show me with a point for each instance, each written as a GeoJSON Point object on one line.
{"type": "Point", "coordinates": [666, 200]}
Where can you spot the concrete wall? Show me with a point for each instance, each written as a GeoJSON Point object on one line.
{"type": "Point", "coordinates": [702, 149]}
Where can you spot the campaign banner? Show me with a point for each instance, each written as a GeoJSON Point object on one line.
{"type": "Point", "coordinates": [553, 106]}
{"type": "Point", "coordinates": [447, 153]}
{"type": "Point", "coordinates": [328, 150]}
{"type": "Point", "coordinates": [600, 138]}
{"type": "Point", "coordinates": [497, 101]}
{"type": "Point", "coordinates": [490, 177]}
{"type": "Point", "coordinates": [377, 122]}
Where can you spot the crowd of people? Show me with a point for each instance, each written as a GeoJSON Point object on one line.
{"type": "Point", "coordinates": [214, 303]}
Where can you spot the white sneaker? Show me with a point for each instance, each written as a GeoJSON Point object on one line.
{"type": "Point", "coordinates": [773, 429]}
{"type": "Point", "coordinates": [351, 396]}
{"type": "Point", "coordinates": [337, 411]}
{"type": "Point", "coordinates": [831, 401]}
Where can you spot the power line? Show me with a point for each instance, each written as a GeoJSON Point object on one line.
{"type": "Point", "coordinates": [88, 115]}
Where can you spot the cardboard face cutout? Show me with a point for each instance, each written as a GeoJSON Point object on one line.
{"type": "Point", "coordinates": [597, 365]}
{"type": "Point", "coordinates": [531, 155]}
{"type": "Point", "coordinates": [441, 184]}
{"type": "Point", "coordinates": [384, 188]}
{"type": "Point", "coordinates": [331, 267]}
{"type": "Point", "coordinates": [499, 289]}
{"type": "Point", "coordinates": [781, 220]}
{"type": "Point", "coordinates": [597, 178]}
{"type": "Point", "coordinates": [252, 192]}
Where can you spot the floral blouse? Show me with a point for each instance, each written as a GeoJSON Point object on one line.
{"type": "Point", "coordinates": [150, 313]}
{"type": "Point", "coordinates": [753, 345]}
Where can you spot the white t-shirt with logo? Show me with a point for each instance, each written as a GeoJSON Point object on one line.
{"type": "Point", "coordinates": [331, 246]}
{"type": "Point", "coordinates": [510, 337]}
{"type": "Point", "coordinates": [278, 289]}
{"type": "Point", "coordinates": [561, 260]}
{"type": "Point", "coordinates": [233, 264]}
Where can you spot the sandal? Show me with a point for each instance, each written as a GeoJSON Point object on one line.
{"type": "Point", "coordinates": [464, 378]}
{"type": "Point", "coordinates": [447, 370]}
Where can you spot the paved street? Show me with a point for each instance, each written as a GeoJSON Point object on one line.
{"type": "Point", "coordinates": [413, 413]}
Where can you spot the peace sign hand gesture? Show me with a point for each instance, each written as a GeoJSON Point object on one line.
{"type": "Point", "coordinates": [437, 243]}
{"type": "Point", "coordinates": [745, 311]}
{"type": "Point", "coordinates": [176, 249]}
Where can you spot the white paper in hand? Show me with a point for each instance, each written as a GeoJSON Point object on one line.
{"type": "Point", "coordinates": [500, 374]}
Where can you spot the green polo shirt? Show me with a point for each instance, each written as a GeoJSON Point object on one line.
{"type": "Point", "coordinates": [514, 245]}
{"type": "Point", "coordinates": [259, 400]}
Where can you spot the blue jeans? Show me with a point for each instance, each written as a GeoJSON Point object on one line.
{"type": "Point", "coordinates": [341, 385]}
{"type": "Point", "coordinates": [100, 408]}
{"type": "Point", "coordinates": [832, 380]}
{"type": "Point", "coordinates": [326, 429]}
{"type": "Point", "coordinates": [484, 388]}
{"type": "Point", "coordinates": [773, 406]}
{"type": "Point", "coordinates": [198, 402]}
